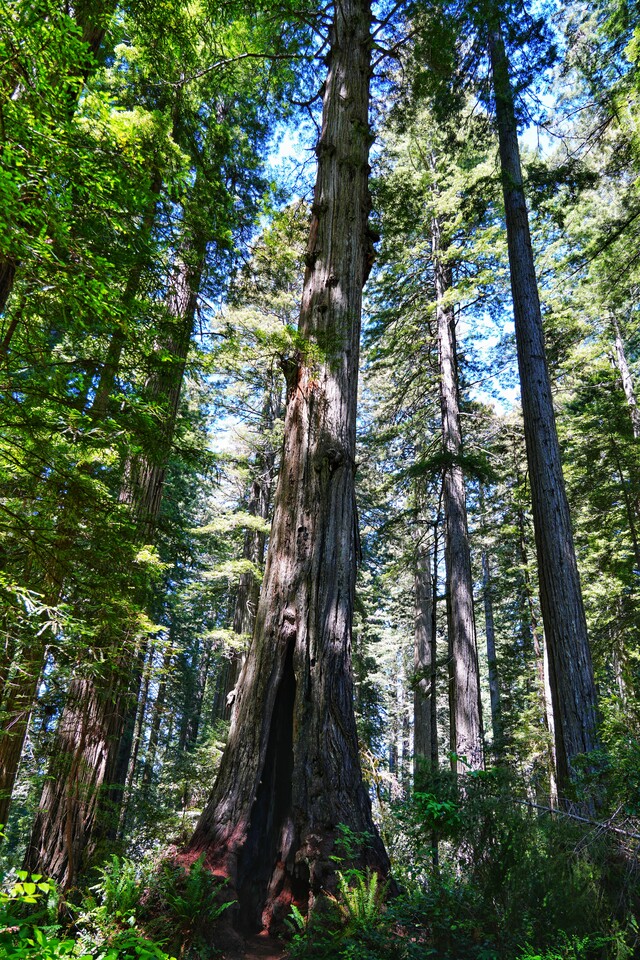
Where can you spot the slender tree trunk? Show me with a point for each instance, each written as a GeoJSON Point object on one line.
{"type": "Point", "coordinates": [110, 367]}
{"type": "Point", "coordinates": [540, 652]}
{"type": "Point", "coordinates": [19, 696]}
{"type": "Point", "coordinates": [191, 721]}
{"type": "Point", "coordinates": [625, 377]}
{"type": "Point", "coordinates": [631, 508]}
{"type": "Point", "coordinates": [290, 772]}
{"type": "Point", "coordinates": [571, 671]}
{"type": "Point", "coordinates": [130, 744]}
{"type": "Point", "coordinates": [425, 742]}
{"type": "Point", "coordinates": [492, 661]}
{"type": "Point", "coordinates": [548, 712]}
{"type": "Point", "coordinates": [156, 723]}
{"type": "Point", "coordinates": [464, 691]}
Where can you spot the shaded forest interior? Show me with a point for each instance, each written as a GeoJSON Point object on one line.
{"type": "Point", "coordinates": [319, 480]}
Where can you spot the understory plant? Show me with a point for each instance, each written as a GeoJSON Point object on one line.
{"type": "Point", "coordinates": [134, 911]}
{"type": "Point", "coordinates": [483, 875]}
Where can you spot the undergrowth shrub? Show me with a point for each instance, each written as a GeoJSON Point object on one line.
{"type": "Point", "coordinates": [509, 878]}
{"type": "Point", "coordinates": [482, 877]}
{"type": "Point", "coordinates": [132, 912]}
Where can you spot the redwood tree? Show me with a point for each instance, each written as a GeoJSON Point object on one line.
{"type": "Point", "coordinates": [573, 689]}
{"type": "Point", "coordinates": [465, 714]}
{"type": "Point", "coordinates": [291, 773]}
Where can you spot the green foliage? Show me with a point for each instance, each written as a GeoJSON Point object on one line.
{"type": "Point", "coordinates": [360, 900]}
{"type": "Point", "coordinates": [508, 875]}
{"type": "Point", "coordinates": [192, 896]}
{"type": "Point", "coordinates": [118, 891]}
{"type": "Point", "coordinates": [102, 930]}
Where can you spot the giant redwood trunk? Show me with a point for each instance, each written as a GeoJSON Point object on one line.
{"type": "Point", "coordinates": [464, 678]}
{"type": "Point", "coordinates": [80, 799]}
{"type": "Point", "coordinates": [291, 773]}
{"type": "Point", "coordinates": [571, 672]}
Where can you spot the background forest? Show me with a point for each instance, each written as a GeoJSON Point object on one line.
{"type": "Point", "coordinates": [156, 191]}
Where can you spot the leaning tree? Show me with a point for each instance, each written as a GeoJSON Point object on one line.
{"type": "Point", "coordinates": [290, 774]}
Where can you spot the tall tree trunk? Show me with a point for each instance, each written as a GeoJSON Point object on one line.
{"type": "Point", "coordinates": [625, 376]}
{"type": "Point", "coordinates": [540, 652]}
{"type": "Point", "coordinates": [425, 731]}
{"type": "Point", "coordinates": [18, 698]}
{"type": "Point", "coordinates": [492, 661]}
{"type": "Point", "coordinates": [130, 743]}
{"type": "Point", "coordinates": [464, 690]}
{"type": "Point", "coordinates": [88, 755]}
{"type": "Point", "coordinates": [571, 671]}
{"type": "Point", "coordinates": [290, 772]}
{"type": "Point", "coordinates": [85, 750]}
{"type": "Point", "coordinates": [18, 695]}
{"type": "Point", "coordinates": [156, 723]}
{"type": "Point", "coordinates": [110, 367]}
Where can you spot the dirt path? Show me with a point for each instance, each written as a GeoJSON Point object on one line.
{"type": "Point", "coordinates": [262, 947]}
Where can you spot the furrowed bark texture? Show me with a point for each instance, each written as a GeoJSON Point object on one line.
{"type": "Point", "coordinates": [464, 689]}
{"type": "Point", "coordinates": [80, 800]}
{"type": "Point", "coordinates": [291, 772]}
{"type": "Point", "coordinates": [425, 730]}
{"type": "Point", "coordinates": [571, 671]}
{"type": "Point", "coordinates": [85, 755]}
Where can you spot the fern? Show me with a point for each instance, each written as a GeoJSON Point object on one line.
{"type": "Point", "coordinates": [361, 898]}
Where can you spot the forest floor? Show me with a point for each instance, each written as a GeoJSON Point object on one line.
{"type": "Point", "coordinates": [263, 947]}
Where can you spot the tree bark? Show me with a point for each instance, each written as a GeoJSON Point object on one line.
{"type": "Point", "coordinates": [626, 378]}
{"type": "Point", "coordinates": [156, 723]}
{"type": "Point", "coordinates": [531, 634]}
{"type": "Point", "coordinates": [492, 661]}
{"type": "Point", "coordinates": [571, 671]}
{"type": "Point", "coordinates": [109, 371]}
{"type": "Point", "coordinates": [85, 751]}
{"type": "Point", "coordinates": [291, 772]}
{"type": "Point", "coordinates": [425, 730]}
{"type": "Point", "coordinates": [464, 689]}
